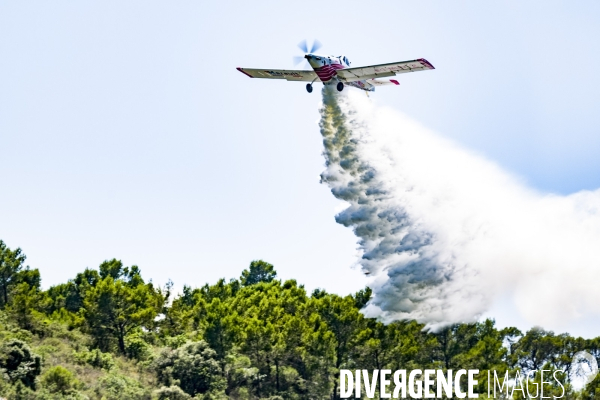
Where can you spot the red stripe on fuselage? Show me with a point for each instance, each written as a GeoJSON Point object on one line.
{"type": "Point", "coordinates": [326, 72]}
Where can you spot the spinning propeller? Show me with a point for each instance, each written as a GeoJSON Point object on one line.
{"type": "Point", "coordinates": [304, 47]}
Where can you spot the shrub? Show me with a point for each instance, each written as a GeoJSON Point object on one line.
{"type": "Point", "coordinates": [175, 342]}
{"type": "Point", "coordinates": [213, 395]}
{"type": "Point", "coordinates": [20, 363]}
{"type": "Point", "coordinates": [118, 387]}
{"type": "Point", "coordinates": [95, 358]}
{"type": "Point", "coordinates": [4, 385]}
{"type": "Point", "coordinates": [193, 365]}
{"type": "Point", "coordinates": [136, 347]}
{"type": "Point", "coordinates": [59, 380]}
{"type": "Point", "coordinates": [171, 393]}
{"type": "Point", "coordinates": [20, 392]}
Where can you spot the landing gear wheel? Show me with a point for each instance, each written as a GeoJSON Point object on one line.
{"type": "Point", "coordinates": [309, 88]}
{"type": "Point", "coordinates": [340, 86]}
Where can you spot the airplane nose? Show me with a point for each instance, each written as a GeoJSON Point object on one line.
{"type": "Point", "coordinates": [307, 56]}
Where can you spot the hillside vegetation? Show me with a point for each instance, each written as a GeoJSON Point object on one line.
{"type": "Point", "coordinates": [109, 334]}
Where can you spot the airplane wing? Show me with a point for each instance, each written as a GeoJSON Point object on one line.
{"type": "Point", "coordinates": [384, 82]}
{"type": "Point", "coordinates": [381, 70]}
{"type": "Point", "coordinates": [288, 74]}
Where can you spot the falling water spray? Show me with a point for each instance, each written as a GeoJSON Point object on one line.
{"type": "Point", "coordinates": [445, 233]}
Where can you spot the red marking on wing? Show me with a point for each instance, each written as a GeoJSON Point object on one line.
{"type": "Point", "coordinates": [424, 61]}
{"type": "Point", "coordinates": [244, 72]}
{"type": "Point", "coordinates": [395, 82]}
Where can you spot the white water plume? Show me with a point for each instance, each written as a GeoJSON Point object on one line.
{"type": "Point", "coordinates": [445, 233]}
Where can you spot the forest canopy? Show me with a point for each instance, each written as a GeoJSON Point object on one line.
{"type": "Point", "coordinates": [108, 333]}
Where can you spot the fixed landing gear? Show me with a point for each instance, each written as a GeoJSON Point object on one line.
{"type": "Point", "coordinates": [339, 86]}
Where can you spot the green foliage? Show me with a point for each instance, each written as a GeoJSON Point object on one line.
{"type": "Point", "coordinates": [21, 392]}
{"type": "Point", "coordinates": [20, 363]}
{"type": "Point", "coordinates": [115, 386]}
{"type": "Point", "coordinates": [193, 367]}
{"type": "Point", "coordinates": [113, 308]}
{"type": "Point", "coordinates": [12, 273]}
{"type": "Point", "coordinates": [59, 380]}
{"type": "Point", "coordinates": [175, 342]}
{"type": "Point", "coordinates": [136, 347]}
{"type": "Point", "coordinates": [95, 358]}
{"type": "Point", "coordinates": [259, 271]}
{"type": "Point", "coordinates": [11, 263]}
{"type": "Point", "coordinates": [592, 390]}
{"type": "Point", "coordinates": [68, 297]}
{"type": "Point", "coordinates": [112, 268]}
{"type": "Point", "coordinates": [362, 297]}
{"type": "Point", "coordinates": [26, 301]}
{"type": "Point", "coordinates": [106, 334]}
{"type": "Point", "coordinates": [171, 393]}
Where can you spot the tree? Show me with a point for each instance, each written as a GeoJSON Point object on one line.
{"type": "Point", "coordinates": [112, 268]}
{"type": "Point", "coordinates": [179, 316]}
{"type": "Point", "coordinates": [344, 320]}
{"type": "Point", "coordinates": [193, 366]}
{"type": "Point", "coordinates": [70, 295]}
{"type": "Point", "coordinates": [221, 327]}
{"type": "Point", "coordinates": [256, 337]}
{"type": "Point", "coordinates": [259, 271]}
{"type": "Point", "coordinates": [24, 305]}
{"type": "Point", "coordinates": [592, 390]}
{"type": "Point", "coordinates": [11, 264]}
{"type": "Point", "coordinates": [362, 297]}
{"type": "Point", "coordinates": [537, 348]}
{"type": "Point", "coordinates": [376, 346]}
{"type": "Point", "coordinates": [115, 307]}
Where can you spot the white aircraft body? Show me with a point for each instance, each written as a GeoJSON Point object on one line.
{"type": "Point", "coordinates": [336, 71]}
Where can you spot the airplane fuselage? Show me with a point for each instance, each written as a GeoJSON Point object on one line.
{"type": "Point", "coordinates": [326, 68]}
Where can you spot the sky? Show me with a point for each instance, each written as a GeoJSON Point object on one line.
{"type": "Point", "coordinates": [126, 132]}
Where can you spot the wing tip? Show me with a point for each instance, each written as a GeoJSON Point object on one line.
{"type": "Point", "coordinates": [395, 82]}
{"type": "Point", "coordinates": [244, 72]}
{"type": "Point", "coordinates": [427, 63]}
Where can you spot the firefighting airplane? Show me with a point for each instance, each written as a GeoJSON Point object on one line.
{"type": "Point", "coordinates": [332, 70]}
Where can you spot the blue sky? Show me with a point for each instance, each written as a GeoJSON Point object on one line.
{"type": "Point", "coordinates": [127, 132]}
